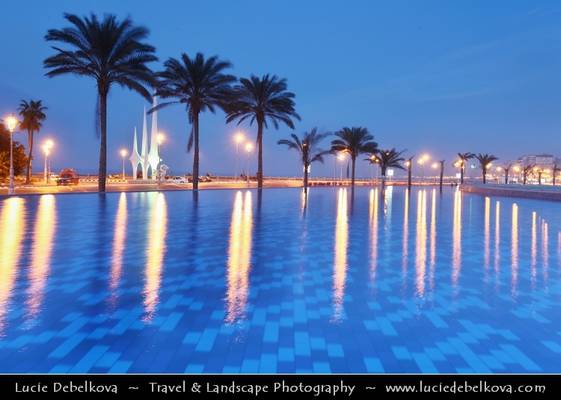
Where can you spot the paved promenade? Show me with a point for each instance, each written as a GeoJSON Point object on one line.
{"type": "Point", "coordinates": [540, 192]}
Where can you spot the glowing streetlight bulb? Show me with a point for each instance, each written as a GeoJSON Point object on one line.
{"type": "Point", "coordinates": [341, 157]}
{"type": "Point", "coordinates": [161, 138]}
{"type": "Point", "coordinates": [516, 168]}
{"type": "Point", "coordinates": [434, 165]}
{"type": "Point", "coordinates": [11, 123]}
{"type": "Point", "coordinates": [239, 137]}
{"type": "Point", "coordinates": [47, 146]}
{"type": "Point", "coordinates": [124, 153]}
{"type": "Point", "coordinates": [249, 147]}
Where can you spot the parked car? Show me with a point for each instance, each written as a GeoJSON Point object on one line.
{"type": "Point", "coordinates": [68, 177]}
{"type": "Point", "coordinates": [177, 179]}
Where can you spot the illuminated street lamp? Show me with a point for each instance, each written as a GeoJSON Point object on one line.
{"type": "Point", "coordinates": [422, 162]}
{"type": "Point", "coordinates": [239, 137]}
{"type": "Point", "coordinates": [11, 123]}
{"type": "Point", "coordinates": [248, 150]}
{"type": "Point", "coordinates": [124, 153]}
{"type": "Point", "coordinates": [341, 158]}
{"type": "Point", "coordinates": [47, 146]}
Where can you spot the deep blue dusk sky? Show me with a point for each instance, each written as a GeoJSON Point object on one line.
{"type": "Point", "coordinates": [427, 76]}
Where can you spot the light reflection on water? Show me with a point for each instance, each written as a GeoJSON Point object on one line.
{"type": "Point", "coordinates": [457, 238]}
{"type": "Point", "coordinates": [12, 229]}
{"type": "Point", "coordinates": [448, 241]}
{"type": "Point", "coordinates": [340, 254]}
{"type": "Point", "coordinates": [155, 251]}
{"type": "Point", "coordinates": [119, 240]}
{"type": "Point", "coordinates": [421, 243]}
{"type": "Point", "coordinates": [239, 257]}
{"type": "Point", "coordinates": [514, 250]}
{"type": "Point", "coordinates": [43, 239]}
{"type": "Point", "coordinates": [373, 213]}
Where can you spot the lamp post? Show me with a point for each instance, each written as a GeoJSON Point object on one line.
{"type": "Point", "coordinates": [11, 124]}
{"type": "Point", "coordinates": [47, 146]}
{"type": "Point", "coordinates": [341, 158]}
{"type": "Point", "coordinates": [238, 139]}
{"type": "Point", "coordinates": [374, 160]}
{"type": "Point", "coordinates": [422, 161]}
{"type": "Point", "coordinates": [124, 154]}
{"type": "Point", "coordinates": [434, 166]}
{"type": "Point", "coordinates": [248, 150]}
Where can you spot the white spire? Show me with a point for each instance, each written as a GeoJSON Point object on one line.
{"type": "Point", "coordinates": [144, 148]}
{"type": "Point", "coordinates": [154, 155]}
{"type": "Point", "coordinates": [135, 158]}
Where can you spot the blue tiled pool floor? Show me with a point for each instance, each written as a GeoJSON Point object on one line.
{"type": "Point", "coordinates": [384, 282]}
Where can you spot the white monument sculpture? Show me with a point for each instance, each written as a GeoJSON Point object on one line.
{"type": "Point", "coordinates": [148, 161]}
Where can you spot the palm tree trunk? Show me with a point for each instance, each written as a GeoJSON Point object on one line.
{"type": "Point", "coordinates": [484, 174]}
{"type": "Point", "coordinates": [441, 175]}
{"type": "Point", "coordinates": [554, 172]}
{"type": "Point", "coordinates": [353, 160]}
{"type": "Point", "coordinates": [305, 177]}
{"type": "Point", "coordinates": [103, 142]}
{"type": "Point", "coordinates": [506, 176]}
{"type": "Point", "coordinates": [383, 172]}
{"type": "Point", "coordinates": [196, 150]}
{"type": "Point", "coordinates": [409, 168]}
{"type": "Point", "coordinates": [461, 174]}
{"type": "Point", "coordinates": [260, 153]}
{"type": "Point", "coordinates": [30, 156]}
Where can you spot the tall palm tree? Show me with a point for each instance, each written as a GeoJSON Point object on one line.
{"type": "Point", "coordinates": [484, 161]}
{"type": "Point", "coordinates": [308, 148]}
{"type": "Point", "coordinates": [33, 113]}
{"type": "Point", "coordinates": [201, 85]}
{"type": "Point", "coordinates": [262, 100]}
{"type": "Point", "coordinates": [354, 141]}
{"type": "Point", "coordinates": [110, 51]}
{"type": "Point", "coordinates": [387, 159]}
{"type": "Point", "coordinates": [464, 158]}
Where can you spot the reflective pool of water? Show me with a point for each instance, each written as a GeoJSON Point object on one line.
{"type": "Point", "coordinates": [240, 282]}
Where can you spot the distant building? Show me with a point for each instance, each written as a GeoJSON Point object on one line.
{"type": "Point", "coordinates": [543, 161]}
